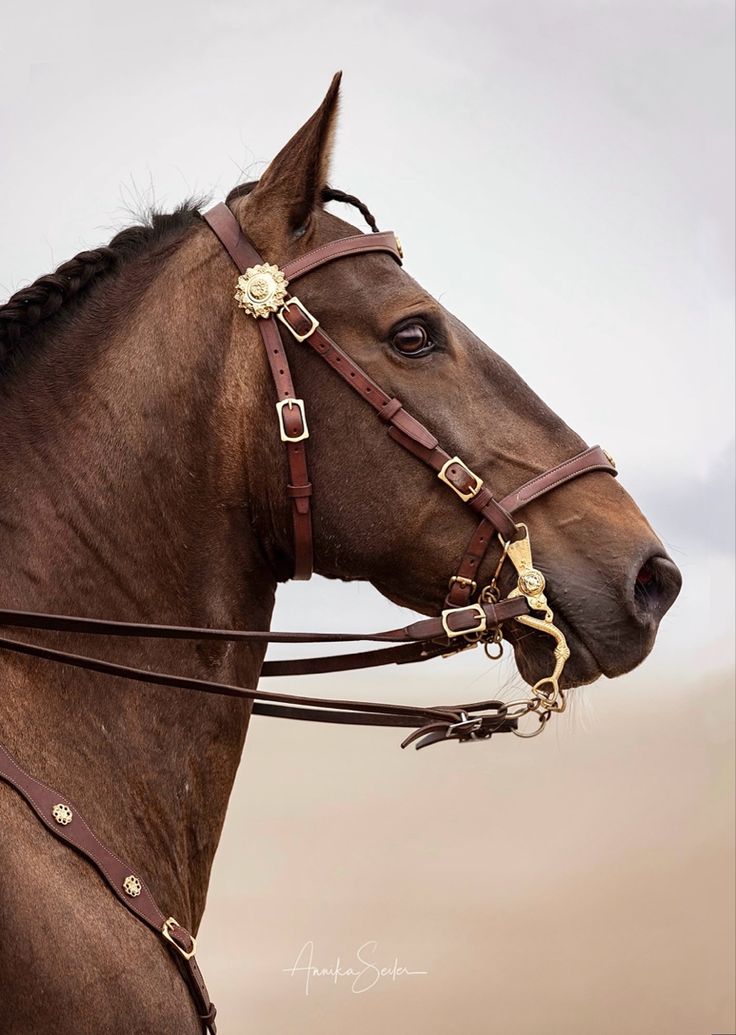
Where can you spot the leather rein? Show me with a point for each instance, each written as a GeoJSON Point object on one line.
{"type": "Point", "coordinates": [469, 616]}
{"type": "Point", "coordinates": [472, 614]}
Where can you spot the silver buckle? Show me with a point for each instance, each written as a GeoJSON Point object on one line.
{"type": "Point", "coordinates": [473, 491]}
{"type": "Point", "coordinates": [291, 403]}
{"type": "Point", "coordinates": [467, 726]}
{"type": "Point", "coordinates": [480, 626]}
{"type": "Point", "coordinates": [314, 322]}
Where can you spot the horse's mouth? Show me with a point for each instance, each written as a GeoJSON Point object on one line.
{"type": "Point", "coordinates": [534, 658]}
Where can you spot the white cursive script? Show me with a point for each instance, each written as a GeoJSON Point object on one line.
{"type": "Point", "coordinates": [364, 975]}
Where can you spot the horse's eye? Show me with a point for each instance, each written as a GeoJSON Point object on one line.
{"type": "Point", "coordinates": [412, 340]}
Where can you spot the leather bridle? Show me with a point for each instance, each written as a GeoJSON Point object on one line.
{"type": "Point", "coordinates": [472, 614]}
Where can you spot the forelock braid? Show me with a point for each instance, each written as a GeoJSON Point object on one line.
{"type": "Point", "coordinates": [333, 194]}
{"type": "Point", "coordinates": [328, 194]}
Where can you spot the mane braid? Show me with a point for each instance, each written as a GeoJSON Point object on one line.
{"type": "Point", "coordinates": [35, 305]}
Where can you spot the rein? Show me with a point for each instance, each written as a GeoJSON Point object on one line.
{"type": "Point", "coordinates": [472, 615]}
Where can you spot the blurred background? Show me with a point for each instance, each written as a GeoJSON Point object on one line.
{"type": "Point", "coordinates": [571, 161]}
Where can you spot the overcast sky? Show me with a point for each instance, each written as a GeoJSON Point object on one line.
{"type": "Point", "coordinates": [570, 162]}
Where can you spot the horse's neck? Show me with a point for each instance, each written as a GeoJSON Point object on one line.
{"type": "Point", "coordinates": [122, 495]}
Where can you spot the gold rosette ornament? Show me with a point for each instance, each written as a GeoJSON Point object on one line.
{"type": "Point", "coordinates": [261, 290]}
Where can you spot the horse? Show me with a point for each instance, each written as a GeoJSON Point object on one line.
{"type": "Point", "coordinates": [143, 479]}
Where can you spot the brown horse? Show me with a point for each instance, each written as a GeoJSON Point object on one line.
{"type": "Point", "coordinates": [142, 478]}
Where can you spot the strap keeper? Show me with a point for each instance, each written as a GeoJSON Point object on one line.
{"type": "Point", "coordinates": [299, 491]}
{"type": "Point", "coordinates": [209, 1017]}
{"type": "Point", "coordinates": [389, 409]}
{"type": "Point", "coordinates": [499, 517]}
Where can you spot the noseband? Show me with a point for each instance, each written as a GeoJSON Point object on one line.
{"type": "Point", "coordinates": [472, 614]}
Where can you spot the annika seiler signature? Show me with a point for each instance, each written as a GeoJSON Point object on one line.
{"type": "Point", "coordinates": [364, 973]}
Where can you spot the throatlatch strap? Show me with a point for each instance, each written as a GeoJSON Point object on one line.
{"type": "Point", "coordinates": [65, 821]}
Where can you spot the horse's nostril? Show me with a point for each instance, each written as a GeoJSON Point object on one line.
{"type": "Point", "coordinates": [656, 586]}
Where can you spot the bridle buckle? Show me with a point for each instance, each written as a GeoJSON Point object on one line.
{"type": "Point", "coordinates": [311, 320]}
{"type": "Point", "coordinates": [166, 931]}
{"type": "Point", "coordinates": [461, 580]}
{"type": "Point", "coordinates": [466, 495]}
{"type": "Point", "coordinates": [467, 728]}
{"type": "Point", "coordinates": [479, 628]}
{"type": "Point", "coordinates": [290, 404]}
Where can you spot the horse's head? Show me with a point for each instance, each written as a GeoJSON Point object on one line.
{"type": "Point", "coordinates": [381, 516]}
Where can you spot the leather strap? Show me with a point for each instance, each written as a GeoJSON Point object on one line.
{"type": "Point", "coordinates": [462, 584]}
{"type": "Point", "coordinates": [402, 426]}
{"type": "Point", "coordinates": [418, 641]}
{"type": "Point", "coordinates": [414, 632]}
{"type": "Point", "coordinates": [592, 459]}
{"type": "Point", "coordinates": [288, 706]}
{"type": "Point", "coordinates": [430, 633]}
{"type": "Point", "coordinates": [59, 815]}
{"type": "Point", "coordinates": [299, 488]}
{"type": "Point", "coordinates": [383, 241]}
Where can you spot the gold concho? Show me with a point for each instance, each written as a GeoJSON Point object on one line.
{"type": "Point", "coordinates": [531, 582]}
{"type": "Point", "coordinates": [261, 290]}
{"type": "Point", "coordinates": [132, 886]}
{"type": "Point", "coordinates": [62, 814]}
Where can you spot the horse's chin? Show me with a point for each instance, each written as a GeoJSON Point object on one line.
{"type": "Point", "coordinates": [534, 659]}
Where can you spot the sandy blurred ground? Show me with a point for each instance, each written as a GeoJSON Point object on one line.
{"type": "Point", "coordinates": [578, 883]}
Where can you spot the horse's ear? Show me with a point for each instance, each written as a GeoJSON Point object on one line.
{"type": "Point", "coordinates": [292, 184]}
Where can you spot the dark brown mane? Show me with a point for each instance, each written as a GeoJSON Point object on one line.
{"type": "Point", "coordinates": [45, 298]}
{"type": "Point", "coordinates": [36, 305]}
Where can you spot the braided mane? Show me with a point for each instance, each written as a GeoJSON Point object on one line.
{"type": "Point", "coordinates": [37, 304]}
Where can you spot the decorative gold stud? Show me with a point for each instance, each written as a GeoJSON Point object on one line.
{"type": "Point", "coordinates": [261, 290]}
{"type": "Point", "coordinates": [531, 582]}
{"type": "Point", "coordinates": [62, 814]}
{"type": "Point", "coordinates": [608, 457]}
{"type": "Point", "coordinates": [132, 886]}
{"type": "Point", "coordinates": [399, 247]}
